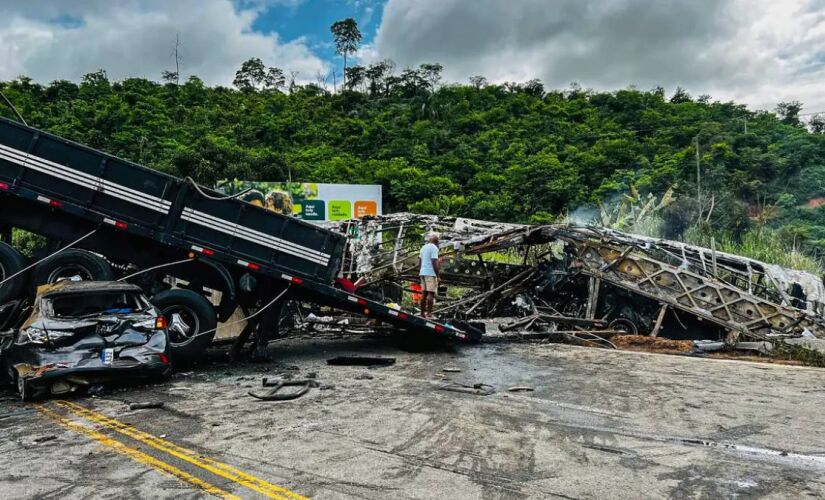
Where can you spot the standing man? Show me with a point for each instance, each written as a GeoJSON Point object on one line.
{"type": "Point", "coordinates": [429, 274]}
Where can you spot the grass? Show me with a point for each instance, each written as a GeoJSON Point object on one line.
{"type": "Point", "coordinates": [763, 245]}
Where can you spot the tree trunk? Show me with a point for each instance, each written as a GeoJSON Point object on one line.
{"type": "Point", "coordinates": [345, 71]}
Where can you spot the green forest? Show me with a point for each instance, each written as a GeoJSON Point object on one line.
{"type": "Point", "coordinates": [514, 152]}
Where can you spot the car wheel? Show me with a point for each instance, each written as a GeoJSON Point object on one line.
{"type": "Point", "coordinates": [191, 321]}
{"type": "Point", "coordinates": [623, 325]}
{"type": "Point", "coordinates": [11, 262]}
{"type": "Point", "coordinates": [72, 264]}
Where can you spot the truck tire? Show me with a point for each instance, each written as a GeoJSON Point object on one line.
{"type": "Point", "coordinates": [187, 314]}
{"type": "Point", "coordinates": [70, 263]}
{"type": "Point", "coordinates": [11, 262]}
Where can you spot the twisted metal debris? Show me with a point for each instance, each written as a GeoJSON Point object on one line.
{"type": "Point", "coordinates": [583, 277]}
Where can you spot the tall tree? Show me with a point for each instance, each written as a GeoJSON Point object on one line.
{"type": "Point", "coordinates": [680, 96]}
{"type": "Point", "coordinates": [254, 75]}
{"type": "Point", "coordinates": [378, 75]}
{"type": "Point", "coordinates": [251, 74]}
{"type": "Point", "coordinates": [355, 76]}
{"type": "Point", "coordinates": [534, 87]}
{"type": "Point", "coordinates": [431, 73]}
{"type": "Point", "coordinates": [789, 112]}
{"type": "Point", "coordinates": [170, 77]}
{"type": "Point", "coordinates": [478, 81]}
{"type": "Point", "coordinates": [274, 79]}
{"type": "Point", "coordinates": [817, 124]}
{"type": "Point", "coordinates": [347, 38]}
{"type": "Point", "coordinates": [174, 76]}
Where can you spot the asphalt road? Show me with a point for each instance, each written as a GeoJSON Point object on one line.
{"type": "Point", "coordinates": [598, 424]}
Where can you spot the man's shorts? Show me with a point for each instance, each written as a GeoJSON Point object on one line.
{"type": "Point", "coordinates": [429, 284]}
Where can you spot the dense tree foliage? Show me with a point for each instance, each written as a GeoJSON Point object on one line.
{"type": "Point", "coordinates": [510, 152]}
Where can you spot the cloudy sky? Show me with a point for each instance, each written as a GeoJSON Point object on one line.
{"type": "Point", "coordinates": [758, 52]}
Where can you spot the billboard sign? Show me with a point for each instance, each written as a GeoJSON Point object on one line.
{"type": "Point", "coordinates": [310, 201]}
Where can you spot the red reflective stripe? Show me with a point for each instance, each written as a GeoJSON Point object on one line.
{"type": "Point", "coordinates": [439, 328]}
{"type": "Point", "coordinates": [297, 281]}
{"type": "Point", "coordinates": [56, 203]}
{"type": "Point", "coordinates": [362, 302]}
{"type": "Point", "coordinates": [253, 266]}
{"type": "Point", "coordinates": [4, 186]}
{"type": "Point", "coordinates": [121, 225]}
{"type": "Point", "coordinates": [208, 252]}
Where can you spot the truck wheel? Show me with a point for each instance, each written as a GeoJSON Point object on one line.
{"type": "Point", "coordinates": [188, 314]}
{"type": "Point", "coordinates": [10, 262]}
{"type": "Point", "coordinates": [70, 264]}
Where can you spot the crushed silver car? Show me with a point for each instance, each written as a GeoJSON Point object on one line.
{"type": "Point", "coordinates": [80, 334]}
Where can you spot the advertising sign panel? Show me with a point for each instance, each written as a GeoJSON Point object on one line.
{"type": "Point", "coordinates": [310, 201]}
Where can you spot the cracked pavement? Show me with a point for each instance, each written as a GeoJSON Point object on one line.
{"type": "Point", "coordinates": [598, 424]}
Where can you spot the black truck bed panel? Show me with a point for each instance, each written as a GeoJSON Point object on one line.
{"type": "Point", "coordinates": [164, 206]}
{"type": "Point", "coordinates": [252, 233]}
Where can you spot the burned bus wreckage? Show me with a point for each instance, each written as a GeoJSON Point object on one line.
{"type": "Point", "coordinates": [588, 283]}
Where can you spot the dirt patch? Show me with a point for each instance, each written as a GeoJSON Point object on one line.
{"type": "Point", "coordinates": [643, 343]}
{"type": "Point", "coordinates": [652, 344]}
{"type": "Point", "coordinates": [757, 358]}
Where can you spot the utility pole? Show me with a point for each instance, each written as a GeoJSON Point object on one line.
{"type": "Point", "coordinates": [177, 58]}
{"type": "Point", "coordinates": [698, 178]}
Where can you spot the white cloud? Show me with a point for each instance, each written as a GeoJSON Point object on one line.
{"type": "Point", "coordinates": [755, 51]}
{"type": "Point", "coordinates": [54, 39]}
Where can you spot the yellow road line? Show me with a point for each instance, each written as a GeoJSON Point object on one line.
{"type": "Point", "coordinates": [136, 455]}
{"type": "Point", "coordinates": [223, 470]}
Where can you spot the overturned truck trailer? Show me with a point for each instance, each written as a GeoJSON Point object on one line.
{"type": "Point", "coordinates": [563, 272]}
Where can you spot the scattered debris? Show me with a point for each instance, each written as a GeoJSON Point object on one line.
{"type": "Point", "coordinates": [521, 388]}
{"type": "Point", "coordinates": [275, 394]}
{"type": "Point", "coordinates": [451, 369]}
{"type": "Point", "coordinates": [361, 361]}
{"type": "Point", "coordinates": [17, 413]}
{"type": "Point", "coordinates": [475, 389]}
{"type": "Point", "coordinates": [708, 345]}
{"type": "Point", "coordinates": [364, 376]}
{"type": "Point", "coordinates": [146, 406]}
{"type": "Point", "coordinates": [44, 439]}
{"type": "Point", "coordinates": [760, 347]}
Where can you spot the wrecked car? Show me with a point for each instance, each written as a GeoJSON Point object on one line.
{"type": "Point", "coordinates": [77, 335]}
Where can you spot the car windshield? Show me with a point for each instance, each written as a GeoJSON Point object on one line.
{"type": "Point", "coordinates": [94, 303]}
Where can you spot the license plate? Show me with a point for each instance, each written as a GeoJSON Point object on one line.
{"type": "Point", "coordinates": [108, 356]}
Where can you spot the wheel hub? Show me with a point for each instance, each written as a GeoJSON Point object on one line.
{"type": "Point", "coordinates": [71, 273]}
{"type": "Point", "coordinates": [179, 326]}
